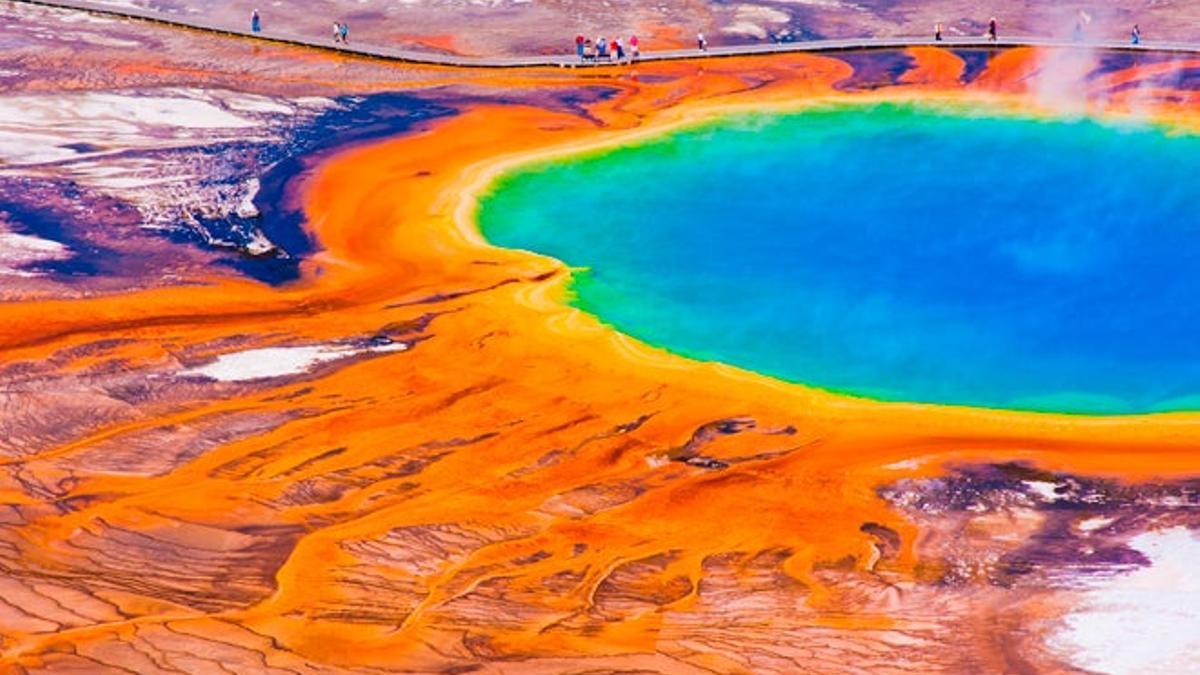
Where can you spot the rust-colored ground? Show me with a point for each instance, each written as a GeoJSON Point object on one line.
{"type": "Point", "coordinates": [520, 489]}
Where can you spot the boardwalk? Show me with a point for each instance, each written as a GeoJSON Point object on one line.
{"type": "Point", "coordinates": [568, 58]}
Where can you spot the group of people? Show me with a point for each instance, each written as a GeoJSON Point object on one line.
{"type": "Point", "coordinates": [602, 48]}
{"type": "Point", "coordinates": [1081, 22]}
{"type": "Point", "coordinates": [991, 30]}
{"type": "Point", "coordinates": [341, 29]}
{"type": "Point", "coordinates": [614, 50]}
{"type": "Point", "coordinates": [341, 32]}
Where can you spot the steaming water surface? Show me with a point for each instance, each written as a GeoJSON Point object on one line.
{"type": "Point", "coordinates": [898, 252]}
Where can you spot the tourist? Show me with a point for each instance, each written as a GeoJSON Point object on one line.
{"type": "Point", "coordinates": [634, 48]}
{"type": "Point", "coordinates": [937, 31]}
{"type": "Point", "coordinates": [701, 42]}
{"type": "Point", "coordinates": [345, 33]}
{"type": "Point", "coordinates": [601, 47]}
{"type": "Point", "coordinates": [337, 32]}
{"type": "Point", "coordinates": [589, 50]}
{"type": "Point", "coordinates": [579, 43]}
{"type": "Point", "coordinates": [617, 49]}
{"type": "Point", "coordinates": [1136, 35]}
{"type": "Point", "coordinates": [255, 22]}
{"type": "Point", "coordinates": [991, 33]}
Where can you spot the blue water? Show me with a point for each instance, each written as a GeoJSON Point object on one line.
{"type": "Point", "coordinates": [897, 252]}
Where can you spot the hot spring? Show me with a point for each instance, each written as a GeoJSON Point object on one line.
{"type": "Point", "coordinates": [899, 252]}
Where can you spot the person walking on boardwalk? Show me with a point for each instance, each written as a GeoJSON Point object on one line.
{"type": "Point", "coordinates": [337, 32]}
{"type": "Point", "coordinates": [601, 47]}
{"type": "Point", "coordinates": [1081, 22]}
{"type": "Point", "coordinates": [579, 44]}
{"type": "Point", "coordinates": [634, 48]}
{"type": "Point", "coordinates": [255, 22]}
{"type": "Point", "coordinates": [618, 50]}
{"type": "Point", "coordinates": [991, 34]}
{"type": "Point", "coordinates": [1136, 35]}
{"type": "Point", "coordinates": [344, 33]}
{"type": "Point", "coordinates": [701, 42]}
{"type": "Point", "coordinates": [937, 32]}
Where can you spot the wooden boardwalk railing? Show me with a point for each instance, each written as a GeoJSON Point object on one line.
{"type": "Point", "coordinates": [568, 58]}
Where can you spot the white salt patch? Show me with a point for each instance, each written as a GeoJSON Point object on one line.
{"type": "Point", "coordinates": [111, 111]}
{"type": "Point", "coordinates": [749, 21]}
{"type": "Point", "coordinates": [130, 182]}
{"type": "Point", "coordinates": [257, 104]}
{"type": "Point", "coordinates": [34, 128]}
{"type": "Point", "coordinates": [745, 28]}
{"type": "Point", "coordinates": [762, 14]}
{"type": "Point", "coordinates": [17, 250]}
{"type": "Point", "coordinates": [159, 110]}
{"type": "Point", "coordinates": [123, 4]}
{"type": "Point", "coordinates": [246, 207]}
{"type": "Point", "coordinates": [21, 146]}
{"type": "Point", "coordinates": [1093, 524]}
{"type": "Point", "coordinates": [904, 465]}
{"type": "Point", "coordinates": [11, 242]}
{"type": "Point", "coordinates": [259, 244]}
{"type": "Point", "coordinates": [657, 461]}
{"type": "Point", "coordinates": [1042, 489]}
{"type": "Point", "coordinates": [257, 364]}
{"type": "Point", "coordinates": [1146, 621]}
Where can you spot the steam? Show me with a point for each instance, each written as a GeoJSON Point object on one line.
{"type": "Point", "coordinates": [1142, 100]}
{"type": "Point", "coordinates": [1066, 79]}
{"type": "Point", "coordinates": [1061, 81]}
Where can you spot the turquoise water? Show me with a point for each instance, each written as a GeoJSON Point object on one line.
{"type": "Point", "coordinates": [897, 252]}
